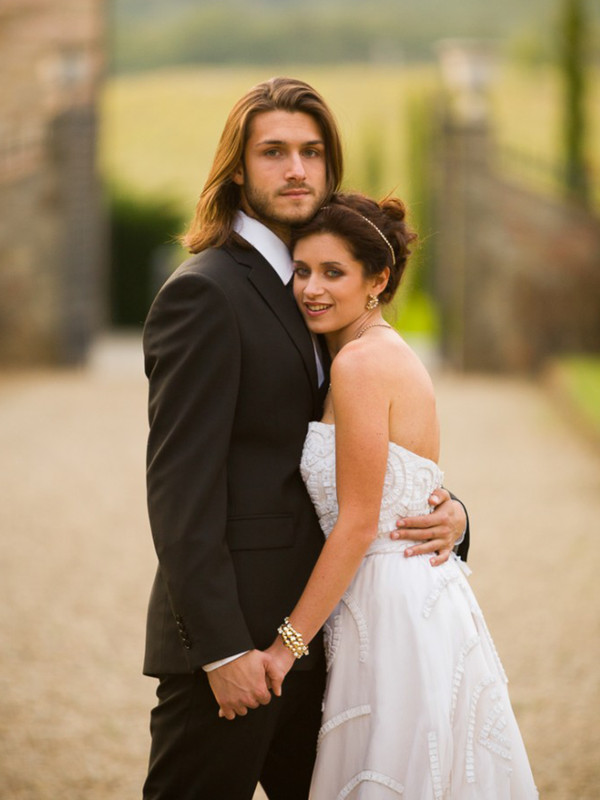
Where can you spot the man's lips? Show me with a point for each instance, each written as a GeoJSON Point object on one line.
{"type": "Point", "coordinates": [294, 192]}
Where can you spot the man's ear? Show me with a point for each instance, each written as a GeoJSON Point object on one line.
{"type": "Point", "coordinates": [238, 175]}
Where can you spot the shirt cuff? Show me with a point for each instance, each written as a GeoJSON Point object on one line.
{"type": "Point", "coordinates": [222, 662]}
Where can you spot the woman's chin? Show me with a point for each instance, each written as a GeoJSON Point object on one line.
{"type": "Point", "coordinates": [318, 325]}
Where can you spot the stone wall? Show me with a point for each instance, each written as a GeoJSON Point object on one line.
{"type": "Point", "coordinates": [51, 227]}
{"type": "Point", "coordinates": [517, 274]}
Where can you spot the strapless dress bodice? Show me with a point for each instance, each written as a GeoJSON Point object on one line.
{"type": "Point", "coordinates": [409, 481]}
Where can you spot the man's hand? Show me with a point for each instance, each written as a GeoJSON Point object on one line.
{"type": "Point", "coordinates": [438, 531]}
{"type": "Point", "coordinates": [241, 684]}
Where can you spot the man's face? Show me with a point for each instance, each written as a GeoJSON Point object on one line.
{"type": "Point", "coordinates": [283, 176]}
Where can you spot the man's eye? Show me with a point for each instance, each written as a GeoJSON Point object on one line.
{"type": "Point", "coordinates": [312, 153]}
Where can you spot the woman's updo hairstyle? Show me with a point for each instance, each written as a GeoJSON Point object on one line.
{"type": "Point", "coordinates": [372, 231]}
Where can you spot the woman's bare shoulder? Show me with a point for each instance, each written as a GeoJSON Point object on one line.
{"type": "Point", "coordinates": [387, 356]}
{"type": "Point", "coordinates": [362, 362]}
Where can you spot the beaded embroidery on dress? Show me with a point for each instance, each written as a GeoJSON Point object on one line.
{"type": "Point", "coordinates": [416, 704]}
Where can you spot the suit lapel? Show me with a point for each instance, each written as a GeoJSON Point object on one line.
{"type": "Point", "coordinates": [326, 364]}
{"type": "Point", "coordinates": [266, 281]}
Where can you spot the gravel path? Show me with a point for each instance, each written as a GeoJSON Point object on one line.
{"type": "Point", "coordinates": [76, 563]}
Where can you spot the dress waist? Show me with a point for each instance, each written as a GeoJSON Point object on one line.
{"type": "Point", "coordinates": [383, 544]}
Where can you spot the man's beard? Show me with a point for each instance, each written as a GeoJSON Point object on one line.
{"type": "Point", "coordinates": [265, 208]}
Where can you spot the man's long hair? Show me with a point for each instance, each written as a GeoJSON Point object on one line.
{"type": "Point", "coordinates": [212, 224]}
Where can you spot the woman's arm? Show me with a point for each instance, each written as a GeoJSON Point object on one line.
{"type": "Point", "coordinates": [361, 401]}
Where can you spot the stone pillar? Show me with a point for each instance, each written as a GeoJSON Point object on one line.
{"type": "Point", "coordinates": [83, 232]}
{"type": "Point", "coordinates": [51, 230]}
{"type": "Point", "coordinates": [463, 166]}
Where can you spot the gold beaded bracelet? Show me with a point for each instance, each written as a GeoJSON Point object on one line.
{"type": "Point", "coordinates": [292, 639]}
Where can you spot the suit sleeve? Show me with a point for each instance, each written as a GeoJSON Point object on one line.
{"type": "Point", "coordinates": [462, 549]}
{"type": "Point", "coordinates": [192, 355]}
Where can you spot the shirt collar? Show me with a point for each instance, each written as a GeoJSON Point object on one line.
{"type": "Point", "coordinates": [267, 243]}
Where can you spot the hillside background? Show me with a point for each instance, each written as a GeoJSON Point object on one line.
{"type": "Point", "coordinates": [151, 33]}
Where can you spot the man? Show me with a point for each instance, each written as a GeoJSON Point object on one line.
{"type": "Point", "coordinates": [235, 378]}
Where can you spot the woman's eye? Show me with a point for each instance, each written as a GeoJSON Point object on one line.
{"type": "Point", "coordinates": [334, 273]}
{"type": "Point", "coordinates": [301, 272]}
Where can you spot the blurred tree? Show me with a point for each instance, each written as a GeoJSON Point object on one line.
{"type": "Point", "coordinates": [415, 308]}
{"type": "Point", "coordinates": [420, 125]}
{"type": "Point", "coordinates": [143, 231]}
{"type": "Point", "coordinates": [151, 33]}
{"type": "Point", "coordinates": [573, 62]}
{"type": "Point", "coordinates": [373, 158]}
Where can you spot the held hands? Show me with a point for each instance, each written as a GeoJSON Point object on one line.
{"type": "Point", "coordinates": [438, 532]}
{"type": "Point", "coordinates": [241, 684]}
{"type": "Point", "coordinates": [248, 681]}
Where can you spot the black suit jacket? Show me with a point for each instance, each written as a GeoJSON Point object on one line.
{"type": "Point", "coordinates": [232, 387]}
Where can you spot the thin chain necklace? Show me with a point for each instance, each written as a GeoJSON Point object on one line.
{"type": "Point", "coordinates": [372, 325]}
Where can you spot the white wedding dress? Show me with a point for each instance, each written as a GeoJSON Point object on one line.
{"type": "Point", "coordinates": [416, 705]}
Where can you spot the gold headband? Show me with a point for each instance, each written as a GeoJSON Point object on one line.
{"type": "Point", "coordinates": [372, 224]}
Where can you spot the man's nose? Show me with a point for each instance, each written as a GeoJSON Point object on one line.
{"type": "Point", "coordinates": [295, 168]}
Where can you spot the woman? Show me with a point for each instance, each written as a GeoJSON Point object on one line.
{"type": "Point", "coordinates": [416, 702]}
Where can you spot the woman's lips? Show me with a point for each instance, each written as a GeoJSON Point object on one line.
{"type": "Point", "coordinates": [316, 309]}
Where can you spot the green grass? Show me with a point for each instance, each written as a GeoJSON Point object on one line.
{"type": "Point", "coordinates": [418, 316]}
{"type": "Point", "coordinates": [580, 379]}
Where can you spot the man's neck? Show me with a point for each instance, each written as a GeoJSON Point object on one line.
{"type": "Point", "coordinates": [283, 232]}
{"type": "Point", "coordinates": [266, 241]}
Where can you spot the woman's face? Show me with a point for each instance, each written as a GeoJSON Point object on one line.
{"type": "Point", "coordinates": [330, 286]}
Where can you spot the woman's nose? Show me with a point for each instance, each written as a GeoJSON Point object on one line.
{"type": "Point", "coordinates": [313, 286]}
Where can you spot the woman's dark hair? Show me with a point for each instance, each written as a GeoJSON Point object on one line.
{"type": "Point", "coordinates": [371, 230]}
